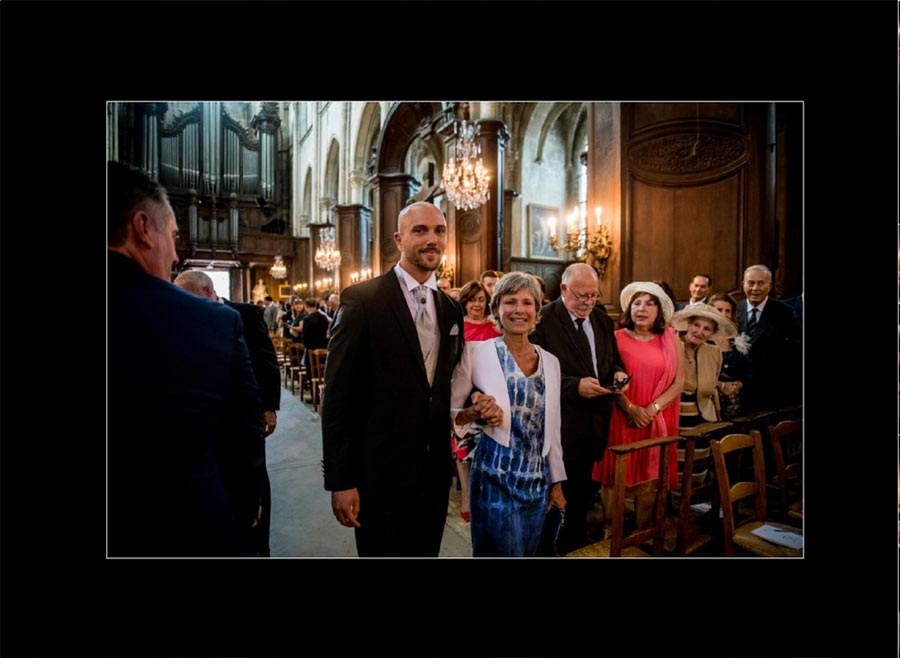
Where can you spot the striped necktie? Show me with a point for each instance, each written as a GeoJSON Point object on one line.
{"type": "Point", "coordinates": [751, 323]}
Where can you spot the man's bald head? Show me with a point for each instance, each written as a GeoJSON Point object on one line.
{"type": "Point", "coordinates": [421, 238]}
{"type": "Point", "coordinates": [416, 210]}
{"type": "Point", "coordinates": [197, 283]}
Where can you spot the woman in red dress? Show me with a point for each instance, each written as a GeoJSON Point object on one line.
{"type": "Point", "coordinates": [477, 326]}
{"type": "Point", "coordinates": [650, 406]}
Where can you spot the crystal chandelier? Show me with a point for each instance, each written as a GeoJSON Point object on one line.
{"type": "Point", "coordinates": [278, 270]}
{"type": "Point", "coordinates": [327, 257]}
{"type": "Point", "coordinates": [464, 178]}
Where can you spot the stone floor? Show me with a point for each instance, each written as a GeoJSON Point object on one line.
{"type": "Point", "coordinates": [302, 522]}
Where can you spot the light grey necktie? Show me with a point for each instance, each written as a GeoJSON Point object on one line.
{"type": "Point", "coordinates": [424, 324]}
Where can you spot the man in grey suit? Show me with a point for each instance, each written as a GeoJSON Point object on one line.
{"type": "Point", "coordinates": [270, 314]}
{"type": "Point", "coordinates": [386, 408]}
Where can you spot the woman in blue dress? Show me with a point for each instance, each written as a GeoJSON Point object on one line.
{"type": "Point", "coordinates": [517, 467]}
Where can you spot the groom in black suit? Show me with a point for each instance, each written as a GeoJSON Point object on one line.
{"type": "Point", "coordinates": [386, 408]}
{"type": "Point", "coordinates": [580, 335]}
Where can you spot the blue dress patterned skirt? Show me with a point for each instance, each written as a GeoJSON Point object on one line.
{"type": "Point", "coordinates": [509, 487]}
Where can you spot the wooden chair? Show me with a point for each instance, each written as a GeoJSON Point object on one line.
{"type": "Point", "coordinates": [618, 540]}
{"type": "Point", "coordinates": [695, 529]}
{"type": "Point", "coordinates": [317, 360]}
{"type": "Point", "coordinates": [741, 532]}
{"type": "Point", "coordinates": [295, 367]}
{"type": "Point", "coordinates": [787, 446]}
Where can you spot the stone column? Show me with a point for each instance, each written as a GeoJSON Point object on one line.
{"type": "Point", "coordinates": [605, 188]}
{"type": "Point", "coordinates": [353, 222]}
{"type": "Point", "coordinates": [493, 140]}
{"type": "Point", "coordinates": [392, 190]}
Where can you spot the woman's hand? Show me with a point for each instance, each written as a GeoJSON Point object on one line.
{"type": "Point", "coordinates": [556, 497]}
{"type": "Point", "coordinates": [639, 416]}
{"type": "Point", "coordinates": [487, 409]}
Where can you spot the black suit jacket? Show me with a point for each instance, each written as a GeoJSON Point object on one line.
{"type": "Point", "coordinates": [184, 435]}
{"type": "Point", "coordinates": [385, 431]}
{"type": "Point", "coordinates": [585, 422]}
{"type": "Point", "coordinates": [262, 353]}
{"type": "Point", "coordinates": [775, 355]}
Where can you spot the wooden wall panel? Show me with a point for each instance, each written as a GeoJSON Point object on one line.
{"type": "Point", "coordinates": [691, 205]}
{"type": "Point", "coordinates": [651, 115]}
{"type": "Point", "coordinates": [651, 234]}
{"type": "Point", "coordinates": [707, 233]}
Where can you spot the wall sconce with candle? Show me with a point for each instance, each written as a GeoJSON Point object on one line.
{"type": "Point", "coordinates": [362, 275]}
{"type": "Point", "coordinates": [444, 271]}
{"type": "Point", "coordinates": [591, 247]}
{"type": "Point", "coordinates": [323, 284]}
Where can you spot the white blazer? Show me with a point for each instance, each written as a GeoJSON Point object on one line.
{"type": "Point", "coordinates": [480, 368]}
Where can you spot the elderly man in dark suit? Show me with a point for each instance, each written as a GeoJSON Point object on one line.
{"type": "Point", "coordinates": [184, 435]}
{"type": "Point", "coordinates": [775, 350]}
{"type": "Point", "coordinates": [580, 334]}
{"type": "Point", "coordinates": [386, 409]}
{"type": "Point", "coordinates": [268, 379]}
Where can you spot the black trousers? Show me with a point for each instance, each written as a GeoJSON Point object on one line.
{"type": "Point", "coordinates": [416, 530]}
{"type": "Point", "coordinates": [579, 493]}
{"type": "Point", "coordinates": [261, 532]}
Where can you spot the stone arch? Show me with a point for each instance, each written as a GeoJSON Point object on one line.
{"type": "Point", "coordinates": [332, 179]}
{"type": "Point", "coordinates": [306, 208]}
{"type": "Point", "coordinates": [549, 120]}
{"type": "Point", "coordinates": [366, 140]}
{"type": "Point", "coordinates": [404, 123]}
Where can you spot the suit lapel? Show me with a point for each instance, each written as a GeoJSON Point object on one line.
{"type": "Point", "coordinates": [397, 303]}
{"type": "Point", "coordinates": [569, 329]}
{"type": "Point", "coordinates": [765, 319]}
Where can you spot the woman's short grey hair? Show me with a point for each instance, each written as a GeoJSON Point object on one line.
{"type": "Point", "coordinates": [511, 283]}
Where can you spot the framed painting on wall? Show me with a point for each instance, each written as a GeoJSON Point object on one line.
{"type": "Point", "coordinates": [284, 292]}
{"type": "Point", "coordinates": [539, 232]}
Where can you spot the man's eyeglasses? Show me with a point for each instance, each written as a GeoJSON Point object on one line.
{"type": "Point", "coordinates": [587, 297]}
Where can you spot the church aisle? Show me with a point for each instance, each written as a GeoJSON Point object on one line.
{"type": "Point", "coordinates": [302, 523]}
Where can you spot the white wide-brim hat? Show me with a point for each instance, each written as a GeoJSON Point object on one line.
{"type": "Point", "coordinates": [724, 327]}
{"type": "Point", "coordinates": [668, 308]}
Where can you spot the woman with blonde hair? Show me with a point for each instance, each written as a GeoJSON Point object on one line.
{"type": "Point", "coordinates": [517, 467]}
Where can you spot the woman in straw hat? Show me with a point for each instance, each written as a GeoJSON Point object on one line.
{"type": "Point", "coordinates": [702, 362]}
{"type": "Point", "coordinates": [649, 408]}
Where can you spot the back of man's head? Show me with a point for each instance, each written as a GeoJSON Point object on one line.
{"type": "Point", "coordinates": [129, 189]}
{"type": "Point", "coordinates": [197, 283]}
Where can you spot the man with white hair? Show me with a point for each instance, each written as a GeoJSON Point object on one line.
{"type": "Point", "coordinates": [775, 350]}
{"type": "Point", "coordinates": [581, 335]}
{"type": "Point", "coordinates": [268, 379]}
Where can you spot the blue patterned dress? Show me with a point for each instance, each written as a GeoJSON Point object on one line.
{"type": "Point", "coordinates": [509, 487]}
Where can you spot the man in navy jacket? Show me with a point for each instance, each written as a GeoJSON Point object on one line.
{"type": "Point", "coordinates": [184, 436]}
